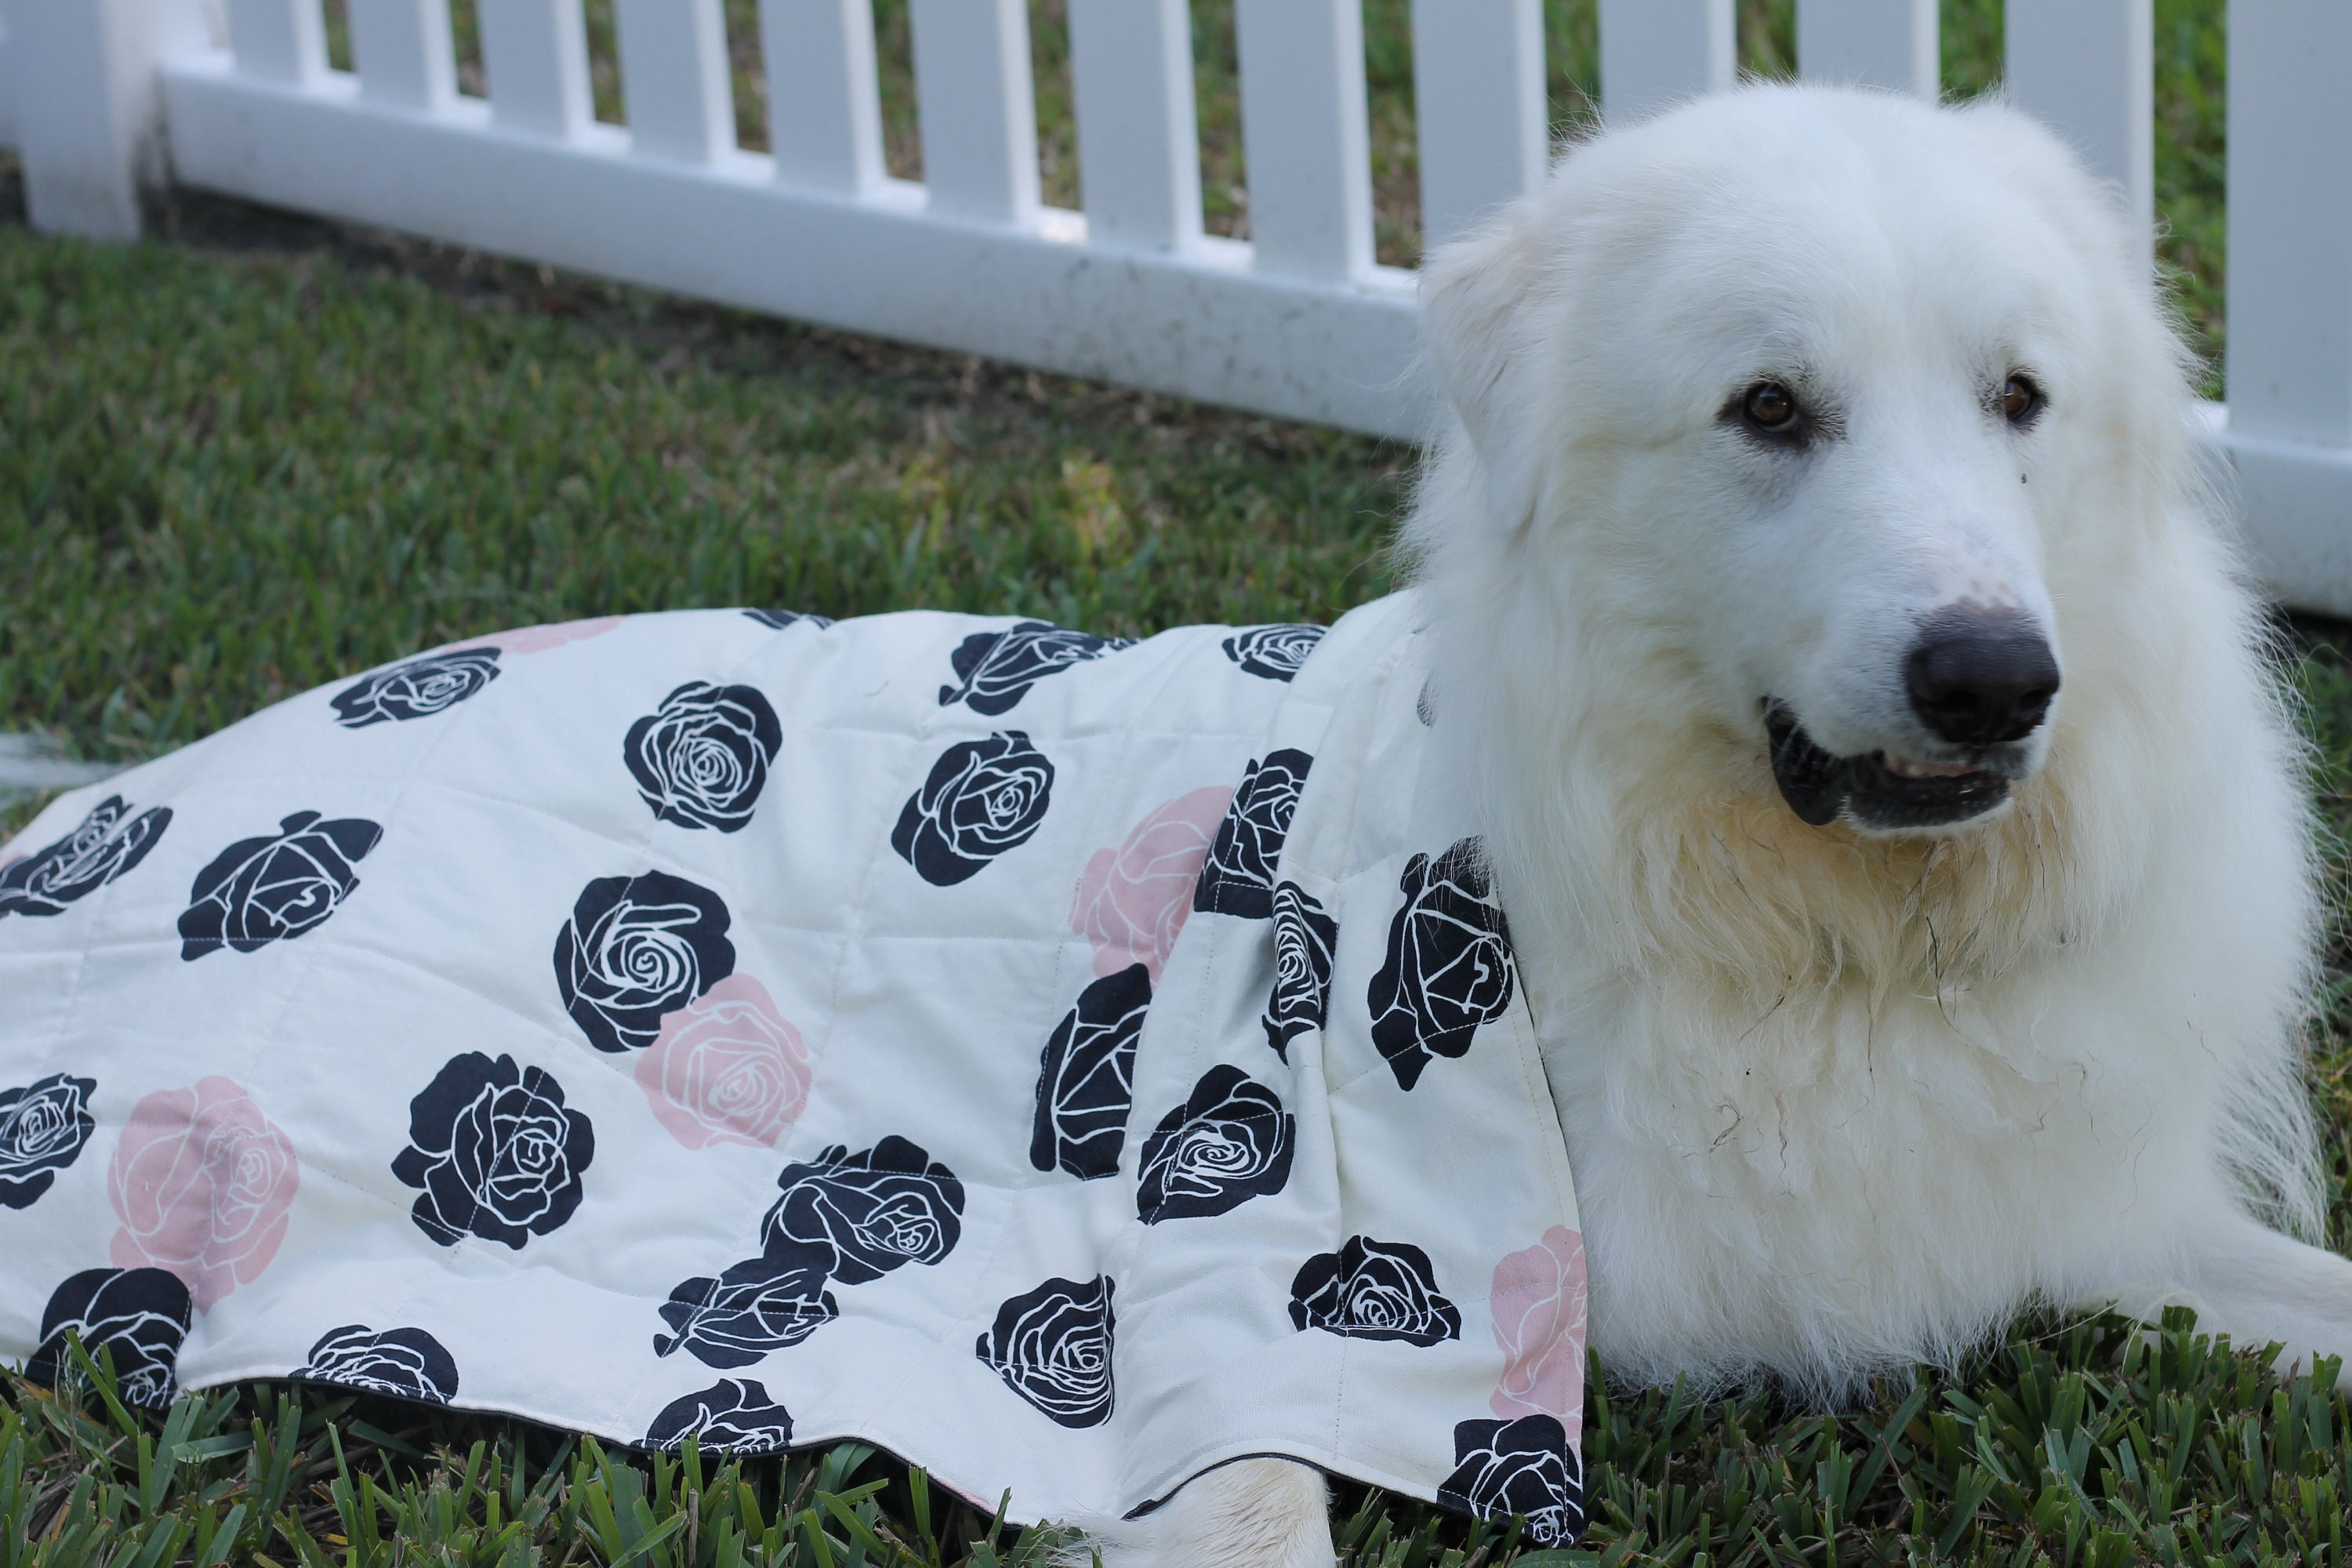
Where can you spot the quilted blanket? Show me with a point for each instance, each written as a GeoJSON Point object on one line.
{"type": "Point", "coordinates": [1063, 1062]}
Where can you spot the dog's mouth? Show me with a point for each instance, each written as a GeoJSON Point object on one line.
{"type": "Point", "coordinates": [1876, 790]}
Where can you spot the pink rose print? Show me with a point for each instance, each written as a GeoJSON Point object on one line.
{"type": "Point", "coordinates": [202, 1181]}
{"type": "Point", "coordinates": [1132, 901]}
{"type": "Point", "coordinates": [1538, 1306]}
{"type": "Point", "coordinates": [539, 639]}
{"type": "Point", "coordinates": [726, 1069]}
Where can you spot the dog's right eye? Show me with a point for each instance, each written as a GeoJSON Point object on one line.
{"type": "Point", "coordinates": [1770, 409]}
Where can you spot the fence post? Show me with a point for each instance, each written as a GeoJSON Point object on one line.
{"type": "Point", "coordinates": [2290, 347]}
{"type": "Point", "coordinates": [1306, 135]}
{"type": "Point", "coordinates": [977, 105]}
{"type": "Point", "coordinates": [824, 105]}
{"type": "Point", "coordinates": [676, 91]}
{"type": "Point", "coordinates": [1478, 103]}
{"type": "Point", "coordinates": [535, 53]}
{"type": "Point", "coordinates": [88, 115]}
{"type": "Point", "coordinates": [1139, 137]}
{"type": "Point", "coordinates": [8, 84]}
{"type": "Point", "coordinates": [1656, 53]}
{"type": "Point", "coordinates": [1875, 43]}
{"type": "Point", "coordinates": [2086, 69]}
{"type": "Point", "coordinates": [278, 40]}
{"type": "Point", "coordinates": [403, 54]}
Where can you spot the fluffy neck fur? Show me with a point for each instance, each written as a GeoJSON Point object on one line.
{"type": "Point", "coordinates": [1644, 852]}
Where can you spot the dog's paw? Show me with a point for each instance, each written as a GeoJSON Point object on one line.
{"type": "Point", "coordinates": [1251, 1513]}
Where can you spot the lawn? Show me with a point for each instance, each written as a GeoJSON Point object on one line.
{"type": "Point", "coordinates": [263, 452]}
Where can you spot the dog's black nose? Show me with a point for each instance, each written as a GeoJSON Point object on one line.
{"type": "Point", "coordinates": [1979, 680]}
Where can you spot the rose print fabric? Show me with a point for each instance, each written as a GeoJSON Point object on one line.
{"type": "Point", "coordinates": [726, 1067]}
{"type": "Point", "coordinates": [102, 847]}
{"type": "Point", "coordinates": [1538, 1306]}
{"type": "Point", "coordinates": [202, 1181]}
{"type": "Point", "coordinates": [43, 1127]}
{"type": "Point", "coordinates": [1131, 902]}
{"type": "Point", "coordinates": [1067, 1062]}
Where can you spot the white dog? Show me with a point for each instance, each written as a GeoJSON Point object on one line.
{"type": "Point", "coordinates": [1904, 840]}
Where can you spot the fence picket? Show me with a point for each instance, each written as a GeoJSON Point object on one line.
{"type": "Point", "coordinates": [1655, 53]}
{"type": "Point", "coordinates": [2289, 349]}
{"type": "Point", "coordinates": [1304, 135]}
{"type": "Point", "coordinates": [403, 54]}
{"type": "Point", "coordinates": [1138, 134]}
{"type": "Point", "coordinates": [1877, 42]}
{"type": "Point", "coordinates": [2088, 68]}
{"type": "Point", "coordinates": [1479, 106]}
{"type": "Point", "coordinates": [825, 108]}
{"type": "Point", "coordinates": [978, 108]}
{"type": "Point", "coordinates": [278, 40]}
{"type": "Point", "coordinates": [675, 90]}
{"type": "Point", "coordinates": [535, 53]}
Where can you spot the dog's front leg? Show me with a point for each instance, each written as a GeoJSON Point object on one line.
{"type": "Point", "coordinates": [2257, 1286]}
{"type": "Point", "coordinates": [1252, 1514]}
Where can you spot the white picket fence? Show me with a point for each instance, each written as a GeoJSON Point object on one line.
{"type": "Point", "coordinates": [1299, 321]}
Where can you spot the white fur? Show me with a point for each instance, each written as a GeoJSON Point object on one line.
{"type": "Point", "coordinates": [1252, 1514]}
{"type": "Point", "coordinates": [1841, 1102]}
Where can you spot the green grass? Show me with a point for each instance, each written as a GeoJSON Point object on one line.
{"type": "Point", "coordinates": [262, 452]}
{"type": "Point", "coordinates": [227, 476]}
{"type": "Point", "coordinates": [2088, 1442]}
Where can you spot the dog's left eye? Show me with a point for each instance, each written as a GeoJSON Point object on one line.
{"type": "Point", "coordinates": [1770, 407]}
{"type": "Point", "coordinates": [2020, 400]}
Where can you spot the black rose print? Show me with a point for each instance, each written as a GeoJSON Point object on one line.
{"type": "Point", "coordinates": [43, 1127]}
{"type": "Point", "coordinates": [1303, 940]}
{"type": "Point", "coordinates": [495, 1151]}
{"type": "Point", "coordinates": [108, 842]}
{"type": "Point", "coordinates": [417, 689]}
{"type": "Point", "coordinates": [735, 1416]}
{"type": "Point", "coordinates": [407, 1363]}
{"type": "Point", "coordinates": [877, 1209]}
{"type": "Point", "coordinates": [274, 888]}
{"type": "Point", "coordinates": [1084, 1083]}
{"type": "Point", "coordinates": [1238, 877]}
{"type": "Point", "coordinates": [984, 797]}
{"type": "Point", "coordinates": [1449, 967]}
{"type": "Point", "coordinates": [995, 669]}
{"type": "Point", "coordinates": [1522, 1467]}
{"type": "Point", "coordinates": [1052, 1347]}
{"type": "Point", "coordinates": [701, 759]}
{"type": "Point", "coordinates": [777, 620]}
{"type": "Point", "coordinates": [1275, 652]}
{"type": "Point", "coordinates": [759, 1305]}
{"type": "Point", "coordinates": [136, 1317]}
{"type": "Point", "coordinates": [635, 948]}
{"type": "Point", "coordinates": [1373, 1290]}
{"type": "Point", "coordinates": [1228, 1143]}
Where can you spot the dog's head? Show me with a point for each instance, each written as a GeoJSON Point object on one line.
{"type": "Point", "coordinates": [1827, 407]}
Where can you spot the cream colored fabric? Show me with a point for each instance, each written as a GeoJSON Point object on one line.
{"type": "Point", "coordinates": [783, 1031]}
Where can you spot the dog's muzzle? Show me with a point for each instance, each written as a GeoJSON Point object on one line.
{"type": "Point", "coordinates": [1875, 794]}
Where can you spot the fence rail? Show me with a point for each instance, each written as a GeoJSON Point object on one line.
{"type": "Point", "coordinates": [1299, 321]}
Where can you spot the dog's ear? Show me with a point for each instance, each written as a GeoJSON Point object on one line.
{"type": "Point", "coordinates": [1475, 295]}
